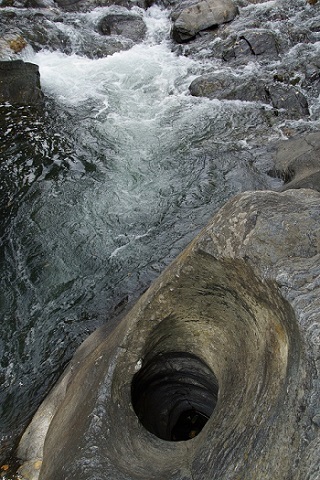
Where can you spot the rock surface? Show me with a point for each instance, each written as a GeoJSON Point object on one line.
{"type": "Point", "coordinates": [37, 29]}
{"type": "Point", "coordinates": [244, 299]}
{"type": "Point", "coordinates": [231, 87]}
{"type": "Point", "coordinates": [201, 15]}
{"type": "Point", "coordinates": [297, 162]}
{"type": "Point", "coordinates": [78, 5]}
{"type": "Point", "coordinates": [20, 83]}
{"type": "Point", "coordinates": [129, 26]}
{"type": "Point", "coordinates": [285, 98]}
{"type": "Point", "coordinates": [251, 43]}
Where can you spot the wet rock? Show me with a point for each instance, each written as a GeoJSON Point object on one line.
{"type": "Point", "coordinates": [316, 420]}
{"type": "Point", "coordinates": [229, 87]}
{"type": "Point", "coordinates": [261, 42]}
{"type": "Point", "coordinates": [255, 1]}
{"type": "Point", "coordinates": [192, 19]}
{"type": "Point", "coordinates": [20, 83]}
{"type": "Point", "coordinates": [52, 31]}
{"type": "Point", "coordinates": [297, 161]}
{"type": "Point", "coordinates": [248, 37]}
{"type": "Point", "coordinates": [237, 312]}
{"type": "Point", "coordinates": [87, 5]}
{"type": "Point", "coordinates": [31, 28]}
{"type": "Point", "coordinates": [103, 49]}
{"type": "Point", "coordinates": [28, 3]}
{"type": "Point", "coordinates": [126, 25]}
{"type": "Point", "coordinates": [290, 99]}
{"type": "Point", "coordinates": [285, 99]}
{"type": "Point", "coordinates": [255, 42]}
{"type": "Point", "coordinates": [12, 44]}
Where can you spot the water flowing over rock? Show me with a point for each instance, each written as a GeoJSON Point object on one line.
{"type": "Point", "coordinates": [85, 5]}
{"type": "Point", "coordinates": [236, 314]}
{"type": "Point", "coordinates": [38, 29]}
{"type": "Point", "coordinates": [249, 88]}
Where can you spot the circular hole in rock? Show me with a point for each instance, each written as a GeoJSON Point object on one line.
{"type": "Point", "coordinates": [174, 395]}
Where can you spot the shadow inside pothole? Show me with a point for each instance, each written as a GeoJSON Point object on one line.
{"type": "Point", "coordinates": [174, 395]}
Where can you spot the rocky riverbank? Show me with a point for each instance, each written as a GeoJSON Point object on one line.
{"type": "Point", "coordinates": [240, 302]}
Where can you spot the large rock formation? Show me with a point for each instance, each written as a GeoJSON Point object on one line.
{"type": "Point", "coordinates": [235, 318]}
{"type": "Point", "coordinates": [20, 83]}
{"type": "Point", "coordinates": [284, 98]}
{"type": "Point", "coordinates": [39, 29]}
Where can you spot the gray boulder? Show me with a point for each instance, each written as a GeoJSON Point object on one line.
{"type": "Point", "coordinates": [258, 43]}
{"type": "Point", "coordinates": [20, 83]}
{"type": "Point", "coordinates": [127, 25]}
{"type": "Point", "coordinates": [297, 161]}
{"type": "Point", "coordinates": [229, 335]}
{"type": "Point", "coordinates": [193, 18]}
{"type": "Point", "coordinates": [287, 100]}
{"type": "Point", "coordinates": [261, 42]}
{"type": "Point", "coordinates": [231, 87]}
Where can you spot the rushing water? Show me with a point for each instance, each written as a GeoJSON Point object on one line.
{"type": "Point", "coordinates": [102, 192]}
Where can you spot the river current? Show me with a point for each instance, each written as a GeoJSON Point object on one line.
{"type": "Point", "coordinates": [122, 171]}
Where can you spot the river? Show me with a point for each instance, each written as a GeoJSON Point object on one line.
{"type": "Point", "coordinates": [120, 173]}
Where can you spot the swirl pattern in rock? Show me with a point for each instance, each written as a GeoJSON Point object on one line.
{"type": "Point", "coordinates": [235, 318]}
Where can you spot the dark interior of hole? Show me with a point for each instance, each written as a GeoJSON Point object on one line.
{"type": "Point", "coordinates": [174, 395]}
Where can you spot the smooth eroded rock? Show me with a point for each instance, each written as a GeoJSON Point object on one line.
{"type": "Point", "coordinates": [237, 314]}
{"type": "Point", "coordinates": [79, 4]}
{"type": "Point", "coordinates": [229, 87]}
{"type": "Point", "coordinates": [297, 161]}
{"type": "Point", "coordinates": [126, 25]}
{"type": "Point", "coordinates": [87, 5]}
{"type": "Point", "coordinates": [201, 15]}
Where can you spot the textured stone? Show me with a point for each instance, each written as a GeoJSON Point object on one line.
{"type": "Point", "coordinates": [84, 4]}
{"type": "Point", "coordinates": [129, 26]}
{"type": "Point", "coordinates": [287, 100]}
{"type": "Point", "coordinates": [20, 83]}
{"type": "Point", "coordinates": [229, 87]}
{"type": "Point", "coordinates": [297, 161]}
{"type": "Point", "coordinates": [261, 42]}
{"type": "Point", "coordinates": [243, 298]}
{"type": "Point", "coordinates": [202, 15]}
{"type": "Point", "coordinates": [252, 43]}
{"type": "Point", "coordinates": [290, 99]}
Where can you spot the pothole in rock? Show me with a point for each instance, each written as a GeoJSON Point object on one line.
{"type": "Point", "coordinates": [174, 395]}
